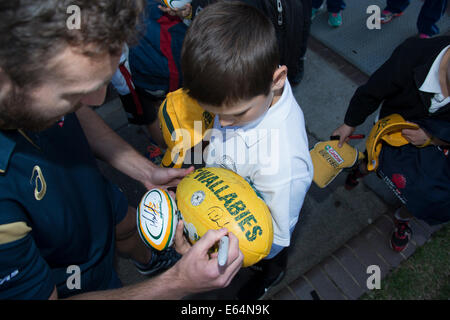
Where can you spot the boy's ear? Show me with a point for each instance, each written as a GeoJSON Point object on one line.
{"type": "Point", "coordinates": [279, 78]}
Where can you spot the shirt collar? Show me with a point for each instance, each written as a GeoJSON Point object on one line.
{"type": "Point", "coordinates": [431, 83]}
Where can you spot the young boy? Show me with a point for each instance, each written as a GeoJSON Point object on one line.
{"type": "Point", "coordinates": [230, 65]}
{"type": "Point", "coordinates": [414, 83]}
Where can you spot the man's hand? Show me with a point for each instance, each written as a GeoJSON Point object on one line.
{"type": "Point", "coordinates": [417, 137]}
{"type": "Point", "coordinates": [198, 270]}
{"type": "Point", "coordinates": [108, 146]}
{"type": "Point", "coordinates": [344, 131]}
{"type": "Point", "coordinates": [195, 272]}
{"type": "Point", "coordinates": [165, 177]}
{"type": "Point", "coordinates": [182, 13]}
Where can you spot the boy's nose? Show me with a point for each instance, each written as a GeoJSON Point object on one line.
{"type": "Point", "coordinates": [226, 122]}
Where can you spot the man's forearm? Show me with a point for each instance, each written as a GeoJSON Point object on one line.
{"type": "Point", "coordinates": [167, 286]}
{"type": "Point", "coordinates": [108, 146]}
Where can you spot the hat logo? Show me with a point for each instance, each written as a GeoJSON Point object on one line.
{"type": "Point", "coordinates": [336, 156]}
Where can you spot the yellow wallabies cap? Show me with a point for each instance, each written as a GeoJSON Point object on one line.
{"type": "Point", "coordinates": [329, 160]}
{"type": "Point", "coordinates": [388, 129]}
{"type": "Point", "coordinates": [183, 124]}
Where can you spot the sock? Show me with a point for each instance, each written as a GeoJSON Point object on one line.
{"type": "Point", "coordinates": [398, 217]}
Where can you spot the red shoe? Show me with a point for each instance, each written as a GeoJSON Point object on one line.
{"type": "Point", "coordinates": [424, 36]}
{"type": "Point", "coordinates": [401, 235]}
{"type": "Point", "coordinates": [387, 16]}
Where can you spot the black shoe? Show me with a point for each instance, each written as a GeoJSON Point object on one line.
{"type": "Point", "coordinates": [268, 273]}
{"type": "Point", "coordinates": [160, 261]}
{"type": "Point", "coordinates": [257, 287]}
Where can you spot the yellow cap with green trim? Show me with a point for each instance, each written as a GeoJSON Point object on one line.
{"type": "Point", "coordinates": [329, 160]}
{"type": "Point", "coordinates": [183, 124]}
{"type": "Point", "coordinates": [389, 129]}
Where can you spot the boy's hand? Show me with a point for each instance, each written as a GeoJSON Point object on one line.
{"type": "Point", "coordinates": [417, 137]}
{"type": "Point", "coordinates": [343, 132]}
{"type": "Point", "coordinates": [182, 13]}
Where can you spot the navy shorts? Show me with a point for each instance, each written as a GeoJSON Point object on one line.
{"type": "Point", "coordinates": [149, 104]}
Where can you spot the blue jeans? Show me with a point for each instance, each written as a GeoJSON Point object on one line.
{"type": "Point", "coordinates": [333, 6]}
{"type": "Point", "coordinates": [431, 12]}
{"type": "Point", "coordinates": [276, 249]}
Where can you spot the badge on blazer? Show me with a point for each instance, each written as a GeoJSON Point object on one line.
{"type": "Point", "coordinates": [40, 186]}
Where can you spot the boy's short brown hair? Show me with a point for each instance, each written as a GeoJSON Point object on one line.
{"type": "Point", "coordinates": [229, 54]}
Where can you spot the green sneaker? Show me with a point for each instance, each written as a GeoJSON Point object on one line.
{"type": "Point", "coordinates": [335, 19]}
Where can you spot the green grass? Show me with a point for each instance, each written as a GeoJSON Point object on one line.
{"type": "Point", "coordinates": [425, 275]}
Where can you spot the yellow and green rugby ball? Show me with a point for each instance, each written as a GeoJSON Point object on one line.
{"type": "Point", "coordinates": [157, 219]}
{"type": "Point", "coordinates": [215, 198]}
{"type": "Point", "coordinates": [175, 4]}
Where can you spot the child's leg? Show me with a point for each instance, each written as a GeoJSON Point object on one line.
{"type": "Point", "coordinates": [431, 12]}
{"type": "Point", "coordinates": [273, 268]}
{"type": "Point", "coordinates": [396, 6]}
{"type": "Point", "coordinates": [269, 272]}
{"type": "Point", "coordinates": [145, 113]}
{"type": "Point", "coordinates": [317, 3]}
{"type": "Point", "coordinates": [154, 129]}
{"type": "Point", "coordinates": [335, 6]}
{"type": "Point", "coordinates": [402, 232]}
{"type": "Point", "coordinates": [358, 172]}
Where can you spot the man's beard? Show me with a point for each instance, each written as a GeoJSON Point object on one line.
{"type": "Point", "coordinates": [16, 112]}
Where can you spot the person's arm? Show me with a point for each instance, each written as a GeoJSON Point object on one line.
{"type": "Point", "coordinates": [111, 148]}
{"type": "Point", "coordinates": [196, 271]}
{"type": "Point", "coordinates": [421, 138]}
{"type": "Point", "coordinates": [384, 82]}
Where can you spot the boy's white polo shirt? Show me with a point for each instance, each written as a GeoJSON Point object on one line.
{"type": "Point", "coordinates": [272, 154]}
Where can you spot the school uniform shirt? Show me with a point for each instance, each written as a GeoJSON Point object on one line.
{"type": "Point", "coordinates": [57, 215]}
{"type": "Point", "coordinates": [432, 84]}
{"type": "Point", "coordinates": [272, 154]}
{"type": "Point", "coordinates": [408, 84]}
{"type": "Point", "coordinates": [118, 79]}
{"type": "Point", "coordinates": [397, 85]}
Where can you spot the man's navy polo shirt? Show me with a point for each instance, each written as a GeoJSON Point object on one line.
{"type": "Point", "coordinates": [56, 211]}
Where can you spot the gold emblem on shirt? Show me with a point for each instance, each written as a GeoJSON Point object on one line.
{"type": "Point", "coordinates": [40, 187]}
